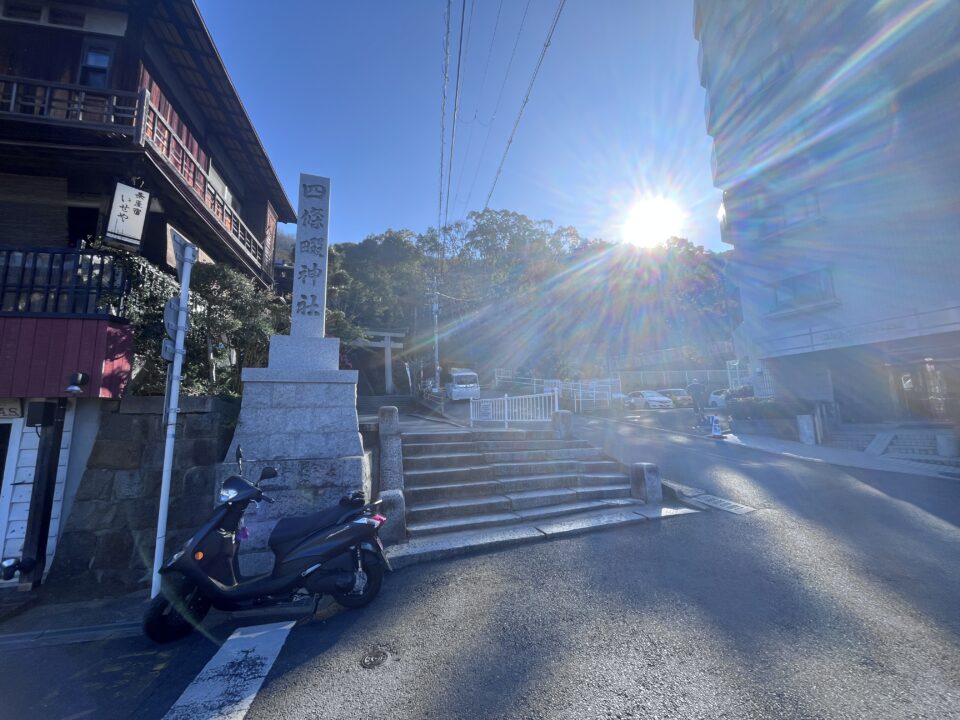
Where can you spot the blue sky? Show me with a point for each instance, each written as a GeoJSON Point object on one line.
{"type": "Point", "coordinates": [351, 90]}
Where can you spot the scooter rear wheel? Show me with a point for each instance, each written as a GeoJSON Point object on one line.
{"type": "Point", "coordinates": [373, 567]}
{"type": "Point", "coordinates": [175, 612]}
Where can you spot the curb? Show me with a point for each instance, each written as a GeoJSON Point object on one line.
{"type": "Point", "coordinates": [480, 541]}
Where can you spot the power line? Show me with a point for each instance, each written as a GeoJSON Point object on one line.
{"type": "Point", "coordinates": [443, 118]}
{"type": "Point", "coordinates": [456, 111]}
{"type": "Point", "coordinates": [496, 107]}
{"type": "Point", "coordinates": [523, 105]}
{"type": "Point", "coordinates": [483, 86]}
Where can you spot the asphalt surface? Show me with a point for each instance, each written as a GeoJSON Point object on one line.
{"type": "Point", "coordinates": [836, 598]}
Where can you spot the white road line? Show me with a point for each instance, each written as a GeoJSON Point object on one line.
{"type": "Point", "coordinates": [227, 685]}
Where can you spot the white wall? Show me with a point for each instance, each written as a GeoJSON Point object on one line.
{"type": "Point", "coordinates": [18, 485]}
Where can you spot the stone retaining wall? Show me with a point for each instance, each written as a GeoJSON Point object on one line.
{"type": "Point", "coordinates": [107, 543]}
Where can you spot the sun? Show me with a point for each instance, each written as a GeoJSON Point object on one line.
{"type": "Point", "coordinates": [651, 220]}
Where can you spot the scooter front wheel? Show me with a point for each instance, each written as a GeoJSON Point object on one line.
{"type": "Point", "coordinates": [373, 567]}
{"type": "Point", "coordinates": [175, 612]}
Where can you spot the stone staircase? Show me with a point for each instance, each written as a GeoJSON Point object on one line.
{"type": "Point", "coordinates": [850, 439]}
{"type": "Point", "coordinates": [462, 480]}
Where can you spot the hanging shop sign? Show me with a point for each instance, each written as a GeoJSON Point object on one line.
{"type": "Point", "coordinates": [10, 408]}
{"type": "Point", "coordinates": [127, 215]}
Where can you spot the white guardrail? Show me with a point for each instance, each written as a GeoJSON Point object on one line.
{"type": "Point", "coordinates": [519, 408]}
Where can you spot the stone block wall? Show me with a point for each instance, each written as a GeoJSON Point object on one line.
{"type": "Point", "coordinates": [107, 543]}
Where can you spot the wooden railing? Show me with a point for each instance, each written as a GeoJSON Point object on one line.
{"type": "Point", "coordinates": [61, 282]}
{"type": "Point", "coordinates": [60, 103]}
{"type": "Point", "coordinates": [161, 137]}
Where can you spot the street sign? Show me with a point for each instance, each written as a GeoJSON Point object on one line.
{"type": "Point", "coordinates": [485, 410]}
{"type": "Point", "coordinates": [167, 350]}
{"type": "Point", "coordinates": [171, 316]}
{"type": "Point", "coordinates": [180, 246]}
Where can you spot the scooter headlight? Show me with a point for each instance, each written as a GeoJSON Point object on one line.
{"type": "Point", "coordinates": [226, 495]}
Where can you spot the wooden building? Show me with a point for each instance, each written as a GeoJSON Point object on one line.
{"type": "Point", "coordinates": [95, 93]}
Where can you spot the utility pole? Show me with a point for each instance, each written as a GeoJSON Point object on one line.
{"type": "Point", "coordinates": [436, 334]}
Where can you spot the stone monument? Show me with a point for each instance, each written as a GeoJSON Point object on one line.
{"type": "Point", "coordinates": [299, 414]}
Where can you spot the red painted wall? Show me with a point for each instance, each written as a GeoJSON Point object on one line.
{"type": "Point", "coordinates": [39, 354]}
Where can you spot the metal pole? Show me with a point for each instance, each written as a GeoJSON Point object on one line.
{"type": "Point", "coordinates": [436, 335]}
{"type": "Point", "coordinates": [173, 408]}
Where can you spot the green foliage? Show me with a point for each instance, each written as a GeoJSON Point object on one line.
{"type": "Point", "coordinates": [231, 321]}
{"type": "Point", "coordinates": [523, 293]}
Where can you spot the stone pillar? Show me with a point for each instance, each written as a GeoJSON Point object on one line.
{"type": "Point", "coordinates": [391, 477]}
{"type": "Point", "coordinates": [300, 412]}
{"type": "Point", "coordinates": [388, 365]}
{"type": "Point", "coordinates": [562, 423]}
{"type": "Point", "coordinates": [645, 483]}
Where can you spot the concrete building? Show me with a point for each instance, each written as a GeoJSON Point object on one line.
{"type": "Point", "coordinates": [837, 146]}
{"type": "Point", "coordinates": [97, 96]}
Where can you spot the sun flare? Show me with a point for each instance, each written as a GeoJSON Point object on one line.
{"type": "Point", "coordinates": [651, 220]}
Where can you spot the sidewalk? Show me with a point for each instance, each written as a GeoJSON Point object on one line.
{"type": "Point", "coordinates": [50, 623]}
{"type": "Point", "coordinates": [836, 456]}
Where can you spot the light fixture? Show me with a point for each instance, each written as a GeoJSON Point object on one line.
{"type": "Point", "coordinates": [76, 383]}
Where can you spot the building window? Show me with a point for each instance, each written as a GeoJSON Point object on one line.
{"type": "Point", "coordinates": [799, 291]}
{"type": "Point", "coordinates": [95, 62]}
{"type": "Point", "coordinates": [66, 18]}
{"type": "Point", "coordinates": [22, 11]}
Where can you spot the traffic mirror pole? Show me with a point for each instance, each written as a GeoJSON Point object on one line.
{"type": "Point", "coordinates": [185, 260]}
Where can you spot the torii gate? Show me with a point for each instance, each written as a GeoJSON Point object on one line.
{"type": "Point", "coordinates": [389, 345]}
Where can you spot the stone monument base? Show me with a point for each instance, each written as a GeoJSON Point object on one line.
{"type": "Point", "coordinates": [298, 415]}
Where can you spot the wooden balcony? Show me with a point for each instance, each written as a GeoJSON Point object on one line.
{"type": "Point", "coordinates": [71, 105]}
{"type": "Point", "coordinates": [160, 136]}
{"type": "Point", "coordinates": [131, 117]}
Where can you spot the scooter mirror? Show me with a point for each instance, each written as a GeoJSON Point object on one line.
{"type": "Point", "coordinates": [239, 453]}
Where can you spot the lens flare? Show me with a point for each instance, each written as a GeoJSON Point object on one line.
{"type": "Point", "coordinates": [651, 221]}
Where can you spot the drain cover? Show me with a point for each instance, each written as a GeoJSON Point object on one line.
{"type": "Point", "coordinates": [373, 659]}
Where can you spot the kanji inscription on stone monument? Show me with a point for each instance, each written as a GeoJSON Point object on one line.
{"type": "Point", "coordinates": [310, 257]}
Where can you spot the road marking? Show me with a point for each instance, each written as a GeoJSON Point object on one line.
{"type": "Point", "coordinates": [722, 504]}
{"type": "Point", "coordinates": [227, 685]}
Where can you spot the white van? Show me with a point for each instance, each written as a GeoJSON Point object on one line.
{"type": "Point", "coordinates": [462, 384]}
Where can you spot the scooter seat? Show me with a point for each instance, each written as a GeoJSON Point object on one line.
{"type": "Point", "coordinates": [288, 531]}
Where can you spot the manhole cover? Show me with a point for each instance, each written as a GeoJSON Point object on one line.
{"type": "Point", "coordinates": [372, 659]}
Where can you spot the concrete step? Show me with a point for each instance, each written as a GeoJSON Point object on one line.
{"type": "Point", "coordinates": [463, 507]}
{"type": "Point", "coordinates": [603, 492]}
{"type": "Point", "coordinates": [515, 445]}
{"type": "Point", "coordinates": [453, 544]}
{"type": "Point", "coordinates": [519, 483]}
{"type": "Point", "coordinates": [418, 449]}
{"type": "Point", "coordinates": [436, 462]}
{"type": "Point", "coordinates": [513, 434]}
{"type": "Point", "coordinates": [526, 499]}
{"type": "Point", "coordinates": [552, 467]}
{"type": "Point", "coordinates": [473, 522]}
{"type": "Point", "coordinates": [456, 524]}
{"type": "Point", "coordinates": [588, 479]}
{"type": "Point", "coordinates": [520, 456]}
{"type": "Point", "coordinates": [548, 467]}
{"type": "Point", "coordinates": [413, 478]}
{"type": "Point", "coordinates": [559, 510]}
{"type": "Point", "coordinates": [436, 437]}
{"type": "Point", "coordinates": [437, 493]}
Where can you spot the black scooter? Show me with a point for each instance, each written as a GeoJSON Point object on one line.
{"type": "Point", "coordinates": [336, 551]}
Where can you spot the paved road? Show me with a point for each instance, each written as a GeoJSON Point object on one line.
{"type": "Point", "coordinates": [837, 598]}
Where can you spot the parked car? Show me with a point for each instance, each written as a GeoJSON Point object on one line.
{"type": "Point", "coordinates": [462, 384]}
{"type": "Point", "coordinates": [648, 400]}
{"type": "Point", "coordinates": [680, 397]}
{"type": "Point", "coordinates": [718, 399]}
